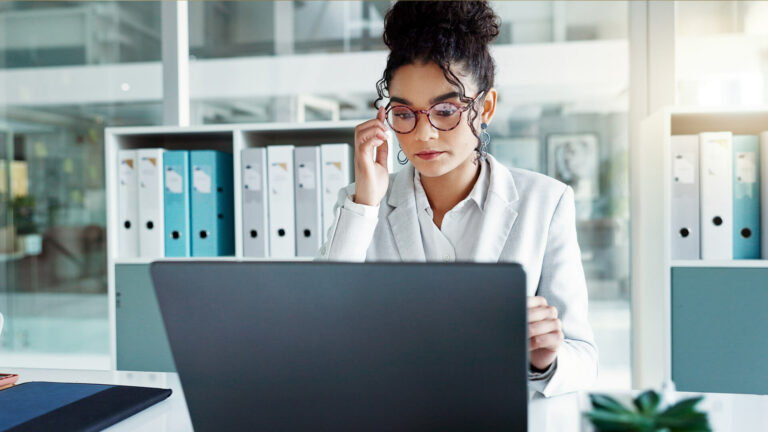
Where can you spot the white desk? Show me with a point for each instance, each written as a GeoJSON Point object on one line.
{"type": "Point", "coordinates": [564, 413]}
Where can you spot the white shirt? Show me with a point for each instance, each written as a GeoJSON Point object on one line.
{"type": "Point", "coordinates": [457, 237]}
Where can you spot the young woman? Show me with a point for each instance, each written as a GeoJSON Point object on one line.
{"type": "Point", "coordinates": [455, 202]}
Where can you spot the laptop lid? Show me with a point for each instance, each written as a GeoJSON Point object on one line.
{"type": "Point", "coordinates": [344, 346]}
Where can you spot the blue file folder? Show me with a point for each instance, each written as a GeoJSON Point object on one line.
{"type": "Point", "coordinates": [47, 406]}
{"type": "Point", "coordinates": [746, 197]}
{"type": "Point", "coordinates": [176, 201]}
{"type": "Point", "coordinates": [212, 202]}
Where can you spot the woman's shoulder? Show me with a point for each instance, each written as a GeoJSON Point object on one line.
{"type": "Point", "coordinates": [530, 184]}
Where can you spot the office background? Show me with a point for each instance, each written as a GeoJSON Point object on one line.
{"type": "Point", "coordinates": [570, 74]}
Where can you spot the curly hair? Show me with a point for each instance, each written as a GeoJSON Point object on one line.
{"type": "Point", "coordinates": [446, 33]}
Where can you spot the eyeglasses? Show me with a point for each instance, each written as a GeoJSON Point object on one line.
{"type": "Point", "coordinates": [443, 116]}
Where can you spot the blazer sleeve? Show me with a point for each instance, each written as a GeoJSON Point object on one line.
{"type": "Point", "coordinates": [563, 284]}
{"type": "Point", "coordinates": [351, 233]}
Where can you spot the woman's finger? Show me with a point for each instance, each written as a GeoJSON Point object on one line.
{"type": "Point", "coordinates": [550, 341]}
{"type": "Point", "coordinates": [544, 327]}
{"type": "Point", "coordinates": [541, 313]}
{"type": "Point", "coordinates": [536, 301]}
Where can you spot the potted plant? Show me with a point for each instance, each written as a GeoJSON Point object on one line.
{"type": "Point", "coordinates": [646, 415]}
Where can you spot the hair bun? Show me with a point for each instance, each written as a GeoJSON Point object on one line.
{"type": "Point", "coordinates": [459, 22]}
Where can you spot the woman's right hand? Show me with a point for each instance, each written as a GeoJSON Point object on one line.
{"type": "Point", "coordinates": [371, 176]}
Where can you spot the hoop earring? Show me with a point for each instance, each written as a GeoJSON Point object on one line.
{"type": "Point", "coordinates": [402, 160]}
{"type": "Point", "coordinates": [485, 139]}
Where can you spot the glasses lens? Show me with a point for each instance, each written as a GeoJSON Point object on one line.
{"type": "Point", "coordinates": [401, 119]}
{"type": "Point", "coordinates": [445, 116]}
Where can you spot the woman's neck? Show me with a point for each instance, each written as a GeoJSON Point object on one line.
{"type": "Point", "coordinates": [446, 191]}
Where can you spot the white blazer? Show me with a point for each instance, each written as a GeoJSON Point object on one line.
{"type": "Point", "coordinates": [528, 218]}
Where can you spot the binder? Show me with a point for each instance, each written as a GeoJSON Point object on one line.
{"type": "Point", "coordinates": [49, 406]}
{"type": "Point", "coordinates": [716, 180]}
{"type": "Point", "coordinates": [309, 199]}
{"type": "Point", "coordinates": [763, 154]}
{"type": "Point", "coordinates": [746, 197]}
{"type": "Point", "coordinates": [151, 218]}
{"type": "Point", "coordinates": [176, 199]}
{"type": "Point", "coordinates": [212, 203]}
{"type": "Point", "coordinates": [684, 208]}
{"type": "Point", "coordinates": [335, 160]}
{"type": "Point", "coordinates": [282, 238]}
{"type": "Point", "coordinates": [255, 203]}
{"type": "Point", "coordinates": [127, 204]}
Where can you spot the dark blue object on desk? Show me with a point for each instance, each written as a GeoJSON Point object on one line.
{"type": "Point", "coordinates": [36, 406]}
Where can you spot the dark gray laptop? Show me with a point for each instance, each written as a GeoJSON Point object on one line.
{"type": "Point", "coordinates": [318, 346]}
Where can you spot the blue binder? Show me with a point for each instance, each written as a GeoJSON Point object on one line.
{"type": "Point", "coordinates": [746, 197]}
{"type": "Point", "coordinates": [47, 406]}
{"type": "Point", "coordinates": [176, 201]}
{"type": "Point", "coordinates": [212, 203]}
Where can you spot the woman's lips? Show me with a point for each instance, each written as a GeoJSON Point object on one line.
{"type": "Point", "coordinates": [429, 155]}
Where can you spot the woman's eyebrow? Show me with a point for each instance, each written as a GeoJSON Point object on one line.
{"type": "Point", "coordinates": [433, 100]}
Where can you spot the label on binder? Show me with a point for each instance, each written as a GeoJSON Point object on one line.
{"type": "Point", "coordinates": [280, 174]}
{"type": "Point", "coordinates": [719, 157]}
{"type": "Point", "coordinates": [174, 182]}
{"type": "Point", "coordinates": [333, 175]}
{"type": "Point", "coordinates": [683, 169]}
{"type": "Point", "coordinates": [746, 167]}
{"type": "Point", "coordinates": [252, 179]}
{"type": "Point", "coordinates": [202, 181]}
{"type": "Point", "coordinates": [126, 171]}
{"type": "Point", "coordinates": [307, 175]}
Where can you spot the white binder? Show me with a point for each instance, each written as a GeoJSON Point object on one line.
{"type": "Point", "coordinates": [764, 194]}
{"type": "Point", "coordinates": [308, 186]}
{"type": "Point", "coordinates": [127, 204]}
{"type": "Point", "coordinates": [151, 194]}
{"type": "Point", "coordinates": [255, 203]}
{"type": "Point", "coordinates": [716, 179]}
{"type": "Point", "coordinates": [684, 208]}
{"type": "Point", "coordinates": [335, 161]}
{"type": "Point", "coordinates": [282, 220]}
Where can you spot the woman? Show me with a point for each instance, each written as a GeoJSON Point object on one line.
{"type": "Point", "coordinates": [453, 201]}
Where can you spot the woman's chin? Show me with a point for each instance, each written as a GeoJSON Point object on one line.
{"type": "Point", "coordinates": [432, 168]}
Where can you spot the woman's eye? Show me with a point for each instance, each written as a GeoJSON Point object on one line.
{"type": "Point", "coordinates": [446, 113]}
{"type": "Point", "coordinates": [404, 116]}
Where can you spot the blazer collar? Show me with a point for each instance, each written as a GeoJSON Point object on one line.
{"type": "Point", "coordinates": [499, 214]}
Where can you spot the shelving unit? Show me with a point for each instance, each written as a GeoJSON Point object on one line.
{"type": "Point", "coordinates": [137, 334]}
{"type": "Point", "coordinates": [691, 317]}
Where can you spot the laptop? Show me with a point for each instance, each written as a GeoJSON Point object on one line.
{"type": "Point", "coordinates": [322, 346]}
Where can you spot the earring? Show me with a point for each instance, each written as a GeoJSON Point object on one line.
{"type": "Point", "coordinates": [401, 158]}
{"type": "Point", "coordinates": [485, 138]}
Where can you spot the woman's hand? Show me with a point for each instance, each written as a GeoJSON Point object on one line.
{"type": "Point", "coordinates": [545, 332]}
{"type": "Point", "coordinates": [371, 176]}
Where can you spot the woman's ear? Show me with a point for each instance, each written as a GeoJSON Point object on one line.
{"type": "Point", "coordinates": [489, 105]}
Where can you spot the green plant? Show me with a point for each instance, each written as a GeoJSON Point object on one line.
{"type": "Point", "coordinates": [24, 214]}
{"type": "Point", "coordinates": [608, 414]}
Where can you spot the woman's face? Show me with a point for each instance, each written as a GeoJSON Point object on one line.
{"type": "Point", "coordinates": [420, 86]}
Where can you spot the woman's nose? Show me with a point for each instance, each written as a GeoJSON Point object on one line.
{"type": "Point", "coordinates": [424, 130]}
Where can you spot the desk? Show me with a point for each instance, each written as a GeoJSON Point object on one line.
{"type": "Point", "coordinates": [727, 412]}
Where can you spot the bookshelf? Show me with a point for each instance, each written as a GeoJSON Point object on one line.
{"type": "Point", "coordinates": [687, 313]}
{"type": "Point", "coordinates": [137, 335]}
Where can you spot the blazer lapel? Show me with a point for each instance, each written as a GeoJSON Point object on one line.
{"type": "Point", "coordinates": [499, 213]}
{"type": "Point", "coordinates": [403, 220]}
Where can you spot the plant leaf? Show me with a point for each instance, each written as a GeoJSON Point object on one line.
{"type": "Point", "coordinates": [691, 422]}
{"type": "Point", "coordinates": [685, 406]}
{"type": "Point", "coordinates": [606, 421]}
{"type": "Point", "coordinates": [607, 403]}
{"type": "Point", "coordinates": [647, 402]}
